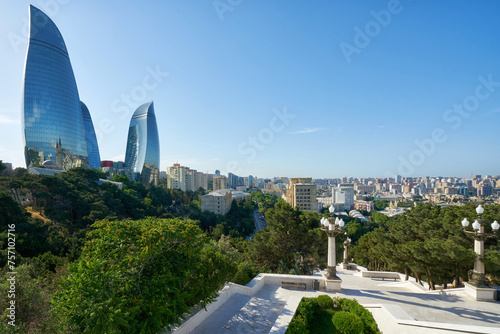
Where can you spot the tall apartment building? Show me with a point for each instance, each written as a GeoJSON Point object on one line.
{"type": "Point", "coordinates": [220, 182]}
{"type": "Point", "coordinates": [301, 192]}
{"type": "Point", "coordinates": [184, 178]}
{"type": "Point", "coordinates": [343, 194]}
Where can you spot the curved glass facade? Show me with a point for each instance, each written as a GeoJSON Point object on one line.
{"type": "Point", "coordinates": [143, 146]}
{"type": "Point", "coordinates": [52, 113]}
{"type": "Point", "coordinates": [90, 138]}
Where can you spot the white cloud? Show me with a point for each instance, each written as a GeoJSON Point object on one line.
{"type": "Point", "coordinates": [118, 158]}
{"type": "Point", "coordinates": [7, 120]}
{"type": "Point", "coordinates": [308, 130]}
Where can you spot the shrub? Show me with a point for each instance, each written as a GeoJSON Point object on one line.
{"type": "Point", "coordinates": [325, 302]}
{"type": "Point", "coordinates": [307, 308]}
{"type": "Point", "coordinates": [347, 323]}
{"type": "Point", "coordinates": [304, 315]}
{"type": "Point", "coordinates": [246, 272]}
{"type": "Point", "coordinates": [298, 326]}
{"type": "Point", "coordinates": [352, 306]}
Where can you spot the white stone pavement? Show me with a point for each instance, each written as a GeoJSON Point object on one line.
{"type": "Point", "coordinates": [418, 311]}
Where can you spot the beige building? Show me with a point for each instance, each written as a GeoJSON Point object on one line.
{"type": "Point", "coordinates": [365, 189]}
{"type": "Point", "coordinates": [184, 178]}
{"type": "Point", "coordinates": [220, 182]}
{"type": "Point", "coordinates": [219, 201]}
{"type": "Point", "coordinates": [301, 192]}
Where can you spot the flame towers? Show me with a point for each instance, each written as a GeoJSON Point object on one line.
{"type": "Point", "coordinates": [142, 155]}
{"type": "Point", "coordinates": [55, 122]}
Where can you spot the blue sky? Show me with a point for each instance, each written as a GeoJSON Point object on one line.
{"type": "Point", "coordinates": [280, 88]}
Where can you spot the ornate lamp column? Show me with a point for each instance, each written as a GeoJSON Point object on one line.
{"type": "Point", "coordinates": [332, 228]}
{"type": "Point", "coordinates": [346, 243]}
{"type": "Point", "coordinates": [479, 290]}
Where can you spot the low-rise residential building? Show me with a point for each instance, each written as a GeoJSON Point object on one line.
{"type": "Point", "coordinates": [219, 201]}
{"type": "Point", "coordinates": [363, 205]}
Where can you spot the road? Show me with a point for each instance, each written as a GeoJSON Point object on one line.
{"type": "Point", "coordinates": [260, 222]}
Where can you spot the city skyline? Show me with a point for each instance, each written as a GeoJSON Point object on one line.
{"type": "Point", "coordinates": [369, 89]}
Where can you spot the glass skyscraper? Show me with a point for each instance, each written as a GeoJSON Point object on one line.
{"type": "Point", "coordinates": [90, 138]}
{"type": "Point", "coordinates": [55, 123]}
{"type": "Point", "coordinates": [142, 155]}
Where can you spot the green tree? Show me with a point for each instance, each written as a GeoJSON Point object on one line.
{"type": "Point", "coordinates": [140, 276]}
{"type": "Point", "coordinates": [2, 166]}
{"type": "Point", "coordinates": [291, 242]}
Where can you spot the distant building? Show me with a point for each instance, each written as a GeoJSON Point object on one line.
{"type": "Point", "coordinates": [363, 205]}
{"type": "Point", "coordinates": [219, 201]}
{"type": "Point", "coordinates": [142, 155]}
{"type": "Point", "coordinates": [234, 181]}
{"type": "Point", "coordinates": [325, 201]}
{"type": "Point", "coordinates": [301, 192]}
{"type": "Point", "coordinates": [220, 182]}
{"type": "Point", "coordinates": [356, 214]}
{"type": "Point", "coordinates": [184, 178]}
{"type": "Point", "coordinates": [344, 194]}
{"type": "Point", "coordinates": [484, 189]}
{"type": "Point", "coordinates": [365, 189]}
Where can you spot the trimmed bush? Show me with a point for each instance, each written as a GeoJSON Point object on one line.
{"type": "Point", "coordinates": [326, 315]}
{"type": "Point", "coordinates": [352, 306]}
{"type": "Point", "coordinates": [325, 302]}
{"type": "Point", "coordinates": [298, 325]}
{"type": "Point", "coordinates": [307, 308]}
{"type": "Point", "coordinates": [347, 323]}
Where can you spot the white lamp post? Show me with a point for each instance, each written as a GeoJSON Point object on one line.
{"type": "Point", "coordinates": [478, 274]}
{"type": "Point", "coordinates": [332, 227]}
{"type": "Point", "coordinates": [346, 243]}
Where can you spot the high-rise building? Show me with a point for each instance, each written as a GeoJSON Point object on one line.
{"type": "Point", "coordinates": [343, 194]}
{"type": "Point", "coordinates": [234, 180]}
{"type": "Point", "coordinates": [143, 146]}
{"type": "Point", "coordinates": [90, 138]}
{"type": "Point", "coordinates": [301, 192]}
{"type": "Point", "coordinates": [176, 177]}
{"type": "Point", "coordinates": [184, 178]}
{"type": "Point", "coordinates": [55, 123]}
{"type": "Point", "coordinates": [220, 182]}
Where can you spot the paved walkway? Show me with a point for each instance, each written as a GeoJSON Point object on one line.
{"type": "Point", "coordinates": [257, 314]}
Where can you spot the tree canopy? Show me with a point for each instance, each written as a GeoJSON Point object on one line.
{"type": "Point", "coordinates": [140, 276]}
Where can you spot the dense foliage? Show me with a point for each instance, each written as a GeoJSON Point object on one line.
{"type": "Point", "coordinates": [120, 252]}
{"type": "Point", "coordinates": [428, 242]}
{"type": "Point", "coordinates": [292, 242]}
{"type": "Point", "coordinates": [326, 315]}
{"type": "Point", "coordinates": [140, 276]}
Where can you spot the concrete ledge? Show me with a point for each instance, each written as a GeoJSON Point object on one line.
{"type": "Point", "coordinates": [333, 285]}
{"type": "Point", "coordinates": [276, 279]}
{"type": "Point", "coordinates": [480, 294]}
{"type": "Point", "coordinates": [380, 274]}
{"type": "Point", "coordinates": [286, 315]}
{"type": "Point", "coordinates": [199, 315]}
{"type": "Point", "coordinates": [393, 319]}
{"type": "Point", "coordinates": [192, 321]}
